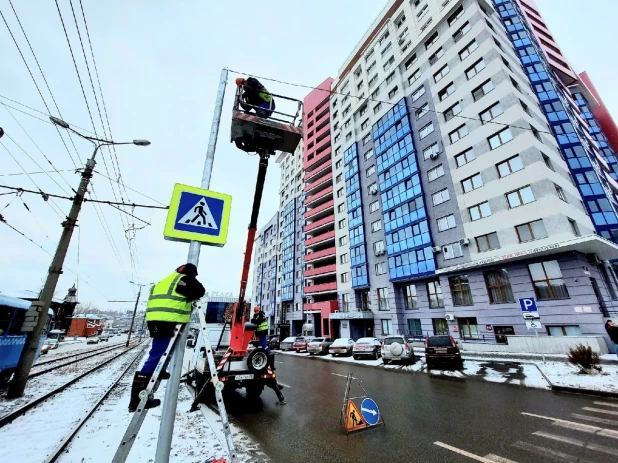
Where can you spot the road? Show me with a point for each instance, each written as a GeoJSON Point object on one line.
{"type": "Point", "coordinates": [472, 416]}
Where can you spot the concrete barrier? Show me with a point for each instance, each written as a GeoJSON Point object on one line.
{"type": "Point", "coordinates": [542, 344]}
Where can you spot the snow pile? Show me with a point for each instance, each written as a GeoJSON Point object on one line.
{"type": "Point", "coordinates": [564, 374]}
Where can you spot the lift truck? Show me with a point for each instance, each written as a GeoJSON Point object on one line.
{"type": "Point", "coordinates": [237, 364]}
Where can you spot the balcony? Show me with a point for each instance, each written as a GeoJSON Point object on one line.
{"type": "Point", "coordinates": [319, 238]}
{"type": "Point", "coordinates": [330, 220]}
{"type": "Point", "coordinates": [330, 252]}
{"type": "Point", "coordinates": [324, 207]}
{"type": "Point", "coordinates": [321, 270]}
{"type": "Point", "coordinates": [318, 195]}
{"type": "Point", "coordinates": [326, 287]}
{"type": "Point", "coordinates": [314, 161]}
{"type": "Point", "coordinates": [319, 183]}
{"type": "Point", "coordinates": [325, 308]}
{"type": "Point", "coordinates": [324, 169]}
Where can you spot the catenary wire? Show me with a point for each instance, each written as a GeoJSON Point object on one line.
{"type": "Point", "coordinates": [132, 189]}
{"type": "Point", "coordinates": [16, 174]}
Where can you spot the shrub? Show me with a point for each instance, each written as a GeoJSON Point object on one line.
{"type": "Point", "coordinates": [584, 357]}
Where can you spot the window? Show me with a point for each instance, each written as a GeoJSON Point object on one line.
{"type": "Point", "coordinates": [360, 85]}
{"type": "Point", "coordinates": [452, 111]}
{"type": "Point", "coordinates": [463, 54]}
{"type": "Point", "coordinates": [366, 139]}
{"type": "Point", "coordinates": [440, 197]}
{"type": "Point", "coordinates": [446, 92]}
{"type": "Point", "coordinates": [368, 56]}
{"type": "Point", "coordinates": [422, 11]}
{"type": "Point", "coordinates": [438, 76]}
{"type": "Point", "coordinates": [440, 326]}
{"type": "Point", "coordinates": [383, 299]}
{"type": "Point", "coordinates": [380, 268]}
{"type": "Point", "coordinates": [498, 286]}
{"type": "Point", "coordinates": [400, 20]}
{"type": "Point", "coordinates": [564, 330]}
{"type": "Point", "coordinates": [491, 113]}
{"type": "Point", "coordinates": [342, 223]}
{"type": "Point", "coordinates": [385, 36]}
{"type": "Point", "coordinates": [371, 189]}
{"type": "Point", "coordinates": [431, 40]}
{"type": "Point", "coordinates": [387, 327]}
{"type": "Point", "coordinates": [393, 92]}
{"type": "Point", "coordinates": [436, 56]}
{"type": "Point", "coordinates": [340, 192]}
{"type": "Point", "coordinates": [373, 80]}
{"type": "Point", "coordinates": [509, 166]}
{"type": "Point", "coordinates": [483, 90]}
{"type": "Point", "coordinates": [339, 178]}
{"type": "Point", "coordinates": [375, 94]}
{"type": "Point", "coordinates": [341, 207]}
{"type": "Point", "coordinates": [560, 192]}
{"type": "Point", "coordinates": [370, 171]}
{"type": "Point", "coordinates": [446, 223]}
{"type": "Point", "coordinates": [345, 277]}
{"type": "Point", "coordinates": [376, 226]}
{"type": "Point", "coordinates": [472, 183]}
{"type": "Point", "coordinates": [434, 293]}
{"type": "Point", "coordinates": [348, 136]}
{"type": "Point", "coordinates": [343, 240]}
{"type": "Point", "coordinates": [452, 251]}
{"type": "Point", "coordinates": [547, 280]}
{"type": "Point", "coordinates": [479, 211]}
{"type": "Point", "coordinates": [345, 302]}
{"type": "Point", "coordinates": [576, 232]}
{"type": "Point", "coordinates": [338, 164]}
{"type": "Point", "coordinates": [365, 124]}
{"type": "Point", "coordinates": [409, 297]}
{"type": "Point", "coordinates": [468, 327]}
{"type": "Point", "coordinates": [389, 63]}
{"type": "Point", "coordinates": [419, 92]}
{"type": "Point", "coordinates": [368, 154]}
{"type": "Point", "coordinates": [432, 149]}
{"type": "Point", "coordinates": [487, 242]}
{"type": "Point", "coordinates": [463, 30]}
{"type": "Point", "coordinates": [347, 123]}
{"type": "Point", "coordinates": [499, 139]}
{"type": "Point", "coordinates": [520, 197]}
{"type": "Point", "coordinates": [426, 130]}
{"type": "Point", "coordinates": [435, 173]}
{"type": "Point", "coordinates": [374, 206]}
{"type": "Point", "coordinates": [344, 258]}
{"type": "Point", "coordinates": [455, 16]}
{"type": "Point", "coordinates": [378, 247]}
{"type": "Point", "coordinates": [547, 161]}
{"type": "Point", "coordinates": [458, 133]}
{"type": "Point", "coordinates": [460, 290]}
{"type": "Point", "coordinates": [390, 77]}
{"type": "Point", "coordinates": [420, 112]}
{"type": "Point", "coordinates": [464, 158]}
{"type": "Point", "coordinates": [414, 77]}
{"type": "Point", "coordinates": [531, 231]}
{"type": "Point", "coordinates": [410, 62]}
{"type": "Point", "coordinates": [377, 108]}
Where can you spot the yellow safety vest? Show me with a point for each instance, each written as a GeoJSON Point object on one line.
{"type": "Point", "coordinates": [165, 304]}
{"type": "Point", "coordinates": [262, 326]}
{"type": "Point", "coordinates": [265, 95]}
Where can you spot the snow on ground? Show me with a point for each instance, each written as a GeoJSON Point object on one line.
{"type": "Point", "coordinates": [567, 375]}
{"type": "Point", "coordinates": [71, 346]}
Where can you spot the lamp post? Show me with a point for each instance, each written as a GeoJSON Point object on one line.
{"type": "Point", "coordinates": [36, 315]}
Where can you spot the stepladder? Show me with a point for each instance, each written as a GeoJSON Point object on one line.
{"type": "Point", "coordinates": [139, 415]}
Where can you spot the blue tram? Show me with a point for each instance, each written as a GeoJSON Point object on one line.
{"type": "Point", "coordinates": [12, 338]}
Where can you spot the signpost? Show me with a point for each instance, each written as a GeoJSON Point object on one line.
{"type": "Point", "coordinates": [532, 318]}
{"type": "Point", "coordinates": [354, 419]}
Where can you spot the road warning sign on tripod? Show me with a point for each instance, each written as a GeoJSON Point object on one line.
{"type": "Point", "coordinates": [354, 419]}
{"type": "Point", "coordinates": [353, 416]}
{"type": "Point", "coordinates": [198, 215]}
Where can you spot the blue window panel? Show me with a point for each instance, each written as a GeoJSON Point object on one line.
{"type": "Point", "coordinates": [398, 172]}
{"type": "Point", "coordinates": [408, 237]}
{"type": "Point", "coordinates": [354, 200]}
{"type": "Point", "coordinates": [355, 218]}
{"type": "Point", "coordinates": [357, 236]}
{"type": "Point", "coordinates": [396, 113]}
{"type": "Point", "coordinates": [392, 135]}
{"type": "Point", "coordinates": [411, 264]}
{"type": "Point", "coordinates": [352, 184]}
{"type": "Point", "coordinates": [402, 149]}
{"type": "Point", "coordinates": [359, 276]}
{"type": "Point", "coordinates": [350, 154]}
{"type": "Point", "coordinates": [405, 214]}
{"type": "Point", "coordinates": [351, 168]}
{"type": "Point", "coordinates": [358, 256]}
{"type": "Point", "coordinates": [401, 192]}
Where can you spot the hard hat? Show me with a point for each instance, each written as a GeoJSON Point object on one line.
{"type": "Point", "coordinates": [240, 81]}
{"type": "Point", "coordinates": [256, 308]}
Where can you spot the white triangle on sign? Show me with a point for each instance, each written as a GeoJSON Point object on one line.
{"type": "Point", "coordinates": [199, 216]}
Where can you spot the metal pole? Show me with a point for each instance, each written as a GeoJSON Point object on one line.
{"type": "Point", "coordinates": [39, 307]}
{"type": "Point", "coordinates": [139, 292]}
{"type": "Point", "coordinates": [168, 414]}
{"type": "Point", "coordinates": [536, 332]}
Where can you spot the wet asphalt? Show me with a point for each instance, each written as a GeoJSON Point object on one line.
{"type": "Point", "coordinates": [471, 415]}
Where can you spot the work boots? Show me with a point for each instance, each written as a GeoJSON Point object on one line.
{"type": "Point", "coordinates": [271, 361]}
{"type": "Point", "coordinates": [140, 383]}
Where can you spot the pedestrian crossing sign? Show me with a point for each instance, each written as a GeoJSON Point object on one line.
{"type": "Point", "coordinates": [200, 215]}
{"type": "Point", "coordinates": [353, 418]}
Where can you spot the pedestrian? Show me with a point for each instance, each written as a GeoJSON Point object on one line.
{"type": "Point", "coordinates": [255, 96]}
{"type": "Point", "coordinates": [169, 304]}
{"type": "Point", "coordinates": [612, 331]}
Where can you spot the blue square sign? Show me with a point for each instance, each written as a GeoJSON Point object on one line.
{"type": "Point", "coordinates": [528, 304]}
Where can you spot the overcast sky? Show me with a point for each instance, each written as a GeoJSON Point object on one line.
{"type": "Point", "coordinates": [159, 64]}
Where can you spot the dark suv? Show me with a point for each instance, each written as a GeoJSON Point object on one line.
{"type": "Point", "coordinates": [442, 349]}
{"type": "Point", "coordinates": [274, 342]}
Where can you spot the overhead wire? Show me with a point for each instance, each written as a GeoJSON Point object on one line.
{"type": "Point", "coordinates": [17, 174]}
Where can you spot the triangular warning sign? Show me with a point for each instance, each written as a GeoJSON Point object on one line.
{"type": "Point", "coordinates": [353, 418]}
{"type": "Point", "coordinates": [199, 216]}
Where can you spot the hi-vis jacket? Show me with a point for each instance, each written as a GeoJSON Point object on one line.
{"type": "Point", "coordinates": [167, 305]}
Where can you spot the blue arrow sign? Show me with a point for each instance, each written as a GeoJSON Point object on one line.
{"type": "Point", "coordinates": [370, 411]}
{"type": "Point", "coordinates": [528, 304]}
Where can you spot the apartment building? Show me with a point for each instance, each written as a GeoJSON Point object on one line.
{"type": "Point", "coordinates": [473, 176]}
{"type": "Point", "coordinates": [266, 277]}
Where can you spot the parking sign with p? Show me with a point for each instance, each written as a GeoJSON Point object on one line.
{"type": "Point", "coordinates": [528, 304]}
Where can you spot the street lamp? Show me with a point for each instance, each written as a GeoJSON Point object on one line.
{"type": "Point", "coordinates": [38, 308]}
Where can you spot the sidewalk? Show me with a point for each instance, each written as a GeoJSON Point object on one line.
{"type": "Point", "coordinates": [524, 370]}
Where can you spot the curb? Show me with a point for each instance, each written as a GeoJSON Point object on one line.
{"type": "Point", "coordinates": [590, 392]}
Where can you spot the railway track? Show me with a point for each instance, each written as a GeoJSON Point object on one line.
{"type": "Point", "coordinates": [62, 410]}
{"type": "Point", "coordinates": [81, 352]}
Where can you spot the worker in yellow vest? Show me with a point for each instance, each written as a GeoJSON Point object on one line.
{"type": "Point", "coordinates": [170, 303]}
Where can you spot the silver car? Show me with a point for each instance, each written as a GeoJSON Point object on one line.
{"type": "Point", "coordinates": [367, 347]}
{"type": "Point", "coordinates": [287, 343]}
{"type": "Point", "coordinates": [341, 346]}
{"type": "Point", "coordinates": [397, 348]}
{"type": "Point", "coordinates": [319, 346]}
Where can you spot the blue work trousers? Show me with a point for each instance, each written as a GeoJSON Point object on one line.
{"type": "Point", "coordinates": [159, 345]}
{"type": "Point", "coordinates": [262, 337]}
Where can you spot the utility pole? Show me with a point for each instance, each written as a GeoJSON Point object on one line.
{"type": "Point", "coordinates": [139, 292]}
{"type": "Point", "coordinates": [37, 313]}
{"type": "Point", "coordinates": [168, 414]}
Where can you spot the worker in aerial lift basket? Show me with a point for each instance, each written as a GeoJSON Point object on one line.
{"type": "Point", "coordinates": [261, 332]}
{"type": "Point", "coordinates": [255, 96]}
{"type": "Point", "coordinates": [170, 303]}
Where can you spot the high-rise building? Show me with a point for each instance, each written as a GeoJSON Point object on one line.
{"type": "Point", "coordinates": [467, 166]}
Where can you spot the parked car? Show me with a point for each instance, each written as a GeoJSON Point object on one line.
{"type": "Point", "coordinates": [301, 342]}
{"type": "Point", "coordinates": [367, 347]}
{"type": "Point", "coordinates": [342, 346]}
{"type": "Point", "coordinates": [104, 337]}
{"type": "Point", "coordinates": [287, 343]}
{"type": "Point", "coordinates": [274, 342]}
{"type": "Point", "coordinates": [93, 340]}
{"type": "Point", "coordinates": [442, 349]}
{"type": "Point", "coordinates": [319, 346]}
{"type": "Point", "coordinates": [397, 348]}
{"type": "Point", "coordinates": [45, 348]}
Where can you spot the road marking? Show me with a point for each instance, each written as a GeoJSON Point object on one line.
{"type": "Point", "coordinates": [600, 410]}
{"type": "Point", "coordinates": [282, 384]}
{"type": "Point", "coordinates": [464, 453]}
{"type": "Point", "coordinates": [553, 454]}
{"type": "Point", "coordinates": [337, 374]}
{"type": "Point", "coordinates": [595, 419]}
{"type": "Point", "coordinates": [607, 404]}
{"type": "Point", "coordinates": [277, 361]}
{"type": "Point", "coordinates": [577, 426]}
{"type": "Point", "coordinates": [577, 443]}
{"type": "Point", "coordinates": [498, 459]}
